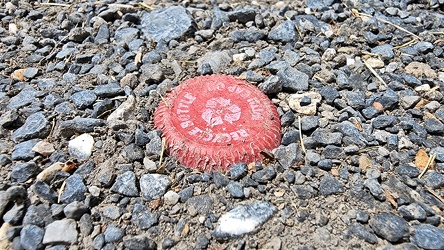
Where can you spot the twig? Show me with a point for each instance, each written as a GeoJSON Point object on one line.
{"type": "Point", "coordinates": [435, 194]}
{"type": "Point", "coordinates": [161, 152]}
{"type": "Point", "coordinates": [146, 6]}
{"type": "Point", "coordinates": [300, 134]}
{"type": "Point", "coordinates": [163, 99]}
{"type": "Point", "coordinates": [62, 188]}
{"type": "Point", "coordinates": [52, 130]}
{"type": "Point", "coordinates": [387, 22]}
{"type": "Point", "coordinates": [374, 73]}
{"type": "Point", "coordinates": [56, 4]}
{"type": "Point", "coordinates": [431, 159]}
{"type": "Point", "coordinates": [406, 44]}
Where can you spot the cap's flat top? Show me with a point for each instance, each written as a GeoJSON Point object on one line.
{"type": "Point", "coordinates": [213, 121]}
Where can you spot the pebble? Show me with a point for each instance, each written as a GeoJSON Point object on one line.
{"type": "Point", "coordinates": [125, 184]}
{"type": "Point", "coordinates": [74, 190]}
{"type": "Point", "coordinates": [435, 180]}
{"type": "Point", "coordinates": [284, 32]}
{"type": "Point", "coordinates": [434, 126]}
{"type": "Point", "coordinates": [292, 79]}
{"type": "Point", "coordinates": [243, 219]}
{"type": "Point", "coordinates": [288, 155]}
{"type": "Point", "coordinates": [428, 237]}
{"type": "Point", "coordinates": [330, 185]}
{"type": "Point", "coordinates": [45, 192]}
{"type": "Point", "coordinates": [44, 148]}
{"type": "Point", "coordinates": [83, 99]}
{"type": "Point", "coordinates": [294, 101]}
{"type": "Point", "coordinates": [79, 125]}
{"type": "Point", "coordinates": [113, 234]}
{"type": "Point", "coordinates": [139, 242]}
{"type": "Point", "coordinates": [23, 151]}
{"type": "Point", "coordinates": [61, 231]}
{"type": "Point", "coordinates": [171, 198]}
{"type": "Point", "coordinates": [23, 171]}
{"type": "Point", "coordinates": [238, 171]}
{"type": "Point", "coordinates": [154, 186]}
{"type": "Point", "coordinates": [31, 237]}
{"type": "Point", "coordinates": [201, 204]}
{"type": "Point", "coordinates": [165, 24]}
{"type": "Point", "coordinates": [375, 188]}
{"type": "Point", "coordinates": [75, 210]}
{"type": "Point", "coordinates": [389, 227]}
{"type": "Point", "coordinates": [362, 232]}
{"type": "Point", "coordinates": [81, 147]}
{"type": "Point", "coordinates": [412, 211]}
{"type": "Point", "coordinates": [236, 189]}
{"type": "Point", "coordinates": [36, 126]}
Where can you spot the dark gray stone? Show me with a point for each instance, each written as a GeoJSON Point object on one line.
{"type": "Point", "coordinates": [389, 226]}
{"type": "Point", "coordinates": [187, 193]}
{"type": "Point", "coordinates": [251, 35]}
{"type": "Point", "coordinates": [238, 171]}
{"type": "Point", "coordinates": [284, 32]}
{"type": "Point", "coordinates": [153, 186]}
{"type": "Point", "coordinates": [384, 121]}
{"type": "Point", "coordinates": [125, 184]}
{"type": "Point", "coordinates": [324, 137]}
{"type": "Point", "coordinates": [265, 175]}
{"type": "Point", "coordinates": [145, 220]}
{"type": "Point", "coordinates": [385, 50]}
{"type": "Point", "coordinates": [85, 224]}
{"type": "Point", "coordinates": [134, 152]}
{"type": "Point", "coordinates": [412, 211]}
{"type": "Point", "coordinates": [330, 185]}
{"type": "Point", "coordinates": [201, 204]}
{"type": "Point", "coordinates": [113, 234]}
{"type": "Point", "coordinates": [45, 192]}
{"type": "Point", "coordinates": [325, 164]}
{"type": "Point", "coordinates": [375, 188]}
{"type": "Point", "coordinates": [202, 242]}
{"type": "Point", "coordinates": [30, 72]}
{"type": "Point", "coordinates": [126, 35]}
{"type": "Point", "coordinates": [80, 126]}
{"type": "Point", "coordinates": [74, 190]}
{"type": "Point", "coordinates": [329, 93]}
{"type": "Point", "coordinates": [332, 152]}
{"type": "Point", "coordinates": [309, 123]}
{"type": "Point", "coordinates": [166, 24]}
{"type": "Point", "coordinates": [428, 237]}
{"type": "Point", "coordinates": [75, 210]}
{"type": "Point", "coordinates": [220, 180]}
{"type": "Point", "coordinates": [83, 99]}
{"type": "Point", "coordinates": [288, 155]}
{"type": "Point", "coordinates": [389, 99]}
{"type": "Point", "coordinates": [4, 160]}
{"type": "Point", "coordinates": [236, 189]}
{"type": "Point", "coordinates": [407, 170]}
{"type": "Point", "coordinates": [31, 237]}
{"type": "Point", "coordinates": [434, 126]}
{"type": "Point", "coordinates": [22, 172]}
{"type": "Point", "coordinates": [363, 233]}
{"type": "Point", "coordinates": [22, 151]}
{"type": "Point", "coordinates": [290, 137]}
{"type": "Point", "coordinates": [435, 180]}
{"type": "Point", "coordinates": [108, 90]}
{"type": "Point", "coordinates": [303, 191]}
{"type": "Point", "coordinates": [99, 241]}
{"type": "Point", "coordinates": [36, 126]}
{"type": "Point", "coordinates": [151, 73]}
{"type": "Point", "coordinates": [139, 242]}
{"type": "Point", "coordinates": [293, 79]}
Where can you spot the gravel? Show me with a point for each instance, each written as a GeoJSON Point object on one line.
{"type": "Point", "coordinates": [347, 177]}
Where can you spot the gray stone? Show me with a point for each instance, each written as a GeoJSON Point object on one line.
{"type": "Point", "coordinates": [154, 147]}
{"type": "Point", "coordinates": [126, 35]}
{"type": "Point", "coordinates": [375, 188]}
{"type": "Point", "coordinates": [113, 234]}
{"type": "Point", "coordinates": [332, 152]}
{"type": "Point", "coordinates": [324, 137]}
{"type": "Point", "coordinates": [108, 90]}
{"type": "Point", "coordinates": [4, 160]}
{"type": "Point", "coordinates": [145, 220]}
{"type": "Point", "coordinates": [428, 237]}
{"type": "Point", "coordinates": [423, 46]}
{"type": "Point", "coordinates": [293, 79]}
{"type": "Point", "coordinates": [284, 32]}
{"type": "Point", "coordinates": [236, 189]}
{"type": "Point", "coordinates": [389, 99]}
{"type": "Point", "coordinates": [329, 93]}
{"type": "Point", "coordinates": [85, 225]}
{"type": "Point", "coordinates": [325, 164]}
{"type": "Point", "coordinates": [171, 198]}
{"type": "Point", "coordinates": [289, 137]}
{"type": "Point", "coordinates": [99, 241]}
{"type": "Point", "coordinates": [36, 126]}
{"type": "Point", "coordinates": [408, 170]}
{"type": "Point", "coordinates": [23, 98]}
{"type": "Point", "coordinates": [385, 50]}
{"type": "Point", "coordinates": [165, 24]}
{"type": "Point", "coordinates": [271, 85]}
{"type": "Point", "coordinates": [435, 180]}
{"type": "Point", "coordinates": [265, 175]}
{"type": "Point", "coordinates": [408, 102]}
{"type": "Point", "coordinates": [22, 172]}
{"type": "Point", "coordinates": [303, 191]}
{"type": "Point", "coordinates": [75, 210]}
{"type": "Point", "coordinates": [80, 126]}
{"type": "Point", "coordinates": [187, 193]}
{"type": "Point", "coordinates": [61, 232]}
{"type": "Point", "coordinates": [45, 192]}
{"type": "Point", "coordinates": [22, 151]}
{"type": "Point", "coordinates": [31, 237]}
{"type": "Point", "coordinates": [217, 60]}
{"type": "Point", "coordinates": [288, 155]}
{"type": "Point", "coordinates": [238, 171]}
{"type": "Point", "coordinates": [434, 126]}
{"type": "Point", "coordinates": [125, 184]}
{"type": "Point", "coordinates": [412, 211]}
{"type": "Point", "coordinates": [389, 226]}
{"type": "Point", "coordinates": [309, 123]}
{"type": "Point", "coordinates": [39, 215]}
{"type": "Point", "coordinates": [251, 35]}
{"type": "Point", "coordinates": [201, 204]}
{"type": "Point", "coordinates": [248, 217]}
{"type": "Point", "coordinates": [74, 190]}
{"type": "Point", "coordinates": [151, 73]}
{"type": "Point", "coordinates": [83, 99]}
{"type": "Point", "coordinates": [153, 186]}
{"type": "Point", "coordinates": [362, 232]}
{"type": "Point", "coordinates": [384, 121]}
{"type": "Point", "coordinates": [139, 242]}
{"type": "Point", "coordinates": [330, 185]}
{"type": "Point", "coordinates": [134, 153]}
{"type": "Point", "coordinates": [112, 212]}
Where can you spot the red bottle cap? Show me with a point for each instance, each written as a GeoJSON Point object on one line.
{"type": "Point", "coordinates": [211, 122]}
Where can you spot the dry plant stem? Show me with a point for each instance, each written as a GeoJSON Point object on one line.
{"type": "Point", "coordinates": [387, 22]}
{"type": "Point", "coordinates": [161, 152]}
{"type": "Point", "coordinates": [435, 194]}
{"type": "Point", "coordinates": [146, 6]}
{"type": "Point", "coordinates": [406, 44]}
{"type": "Point", "coordinates": [374, 73]}
{"type": "Point", "coordinates": [300, 134]}
{"type": "Point", "coordinates": [55, 4]}
{"type": "Point", "coordinates": [431, 159]}
{"type": "Point", "coordinates": [62, 189]}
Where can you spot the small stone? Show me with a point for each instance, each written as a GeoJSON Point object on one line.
{"type": "Point", "coordinates": [31, 237]}
{"type": "Point", "coordinates": [44, 148]}
{"type": "Point", "coordinates": [236, 189]}
{"type": "Point", "coordinates": [220, 180]}
{"type": "Point", "coordinates": [23, 151]}
{"type": "Point", "coordinates": [325, 164]}
{"type": "Point", "coordinates": [186, 193]}
{"type": "Point", "coordinates": [389, 227]}
{"type": "Point", "coordinates": [284, 32]}
{"type": "Point", "coordinates": [112, 212]}
{"type": "Point", "coordinates": [75, 210]}
{"type": "Point", "coordinates": [290, 137]}
{"type": "Point", "coordinates": [435, 180]}
{"type": "Point", "coordinates": [74, 189]}
{"type": "Point", "coordinates": [36, 126]}
{"type": "Point", "coordinates": [125, 184]}
{"type": "Point", "coordinates": [83, 99]}
{"type": "Point", "coordinates": [408, 102]}
{"type": "Point", "coordinates": [265, 175]}
{"type": "Point", "coordinates": [386, 51]}
{"type": "Point", "coordinates": [171, 198]}
{"type": "Point", "coordinates": [288, 155]}
{"type": "Point", "coordinates": [363, 233]}
{"type": "Point", "coordinates": [408, 170]}
{"type": "Point", "coordinates": [201, 204]}
{"type": "Point", "coordinates": [247, 218]}
{"type": "Point", "coordinates": [45, 192]}
{"type": "Point", "coordinates": [149, 165]}
{"type": "Point", "coordinates": [81, 147]}
{"type": "Point", "coordinates": [61, 232]}
{"type": "Point", "coordinates": [21, 172]}
{"type": "Point", "coordinates": [134, 153]}
{"type": "Point", "coordinates": [139, 242]}
{"type": "Point", "coordinates": [293, 79]}
{"type": "Point", "coordinates": [375, 188]}
{"type": "Point", "coordinates": [238, 171]}
{"type": "Point", "coordinates": [305, 101]}
{"type": "Point", "coordinates": [113, 234]}
{"type": "Point", "coordinates": [79, 125]}
{"type": "Point", "coordinates": [294, 101]}
{"type": "Point", "coordinates": [412, 211]}
{"type": "Point", "coordinates": [324, 137]}
{"type": "Point", "coordinates": [428, 237]}
{"type": "Point", "coordinates": [153, 186]}
{"type": "Point", "coordinates": [202, 242]}
{"type": "Point", "coordinates": [330, 185]}
{"type": "Point", "coordinates": [329, 93]}
{"type": "Point", "coordinates": [434, 126]}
